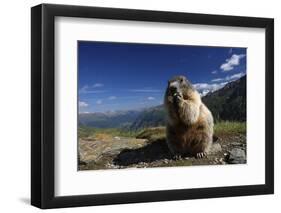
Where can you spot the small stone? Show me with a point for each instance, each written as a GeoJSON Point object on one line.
{"type": "Point", "coordinates": [236, 156]}
{"type": "Point", "coordinates": [166, 161]}
{"type": "Point", "coordinates": [216, 147]}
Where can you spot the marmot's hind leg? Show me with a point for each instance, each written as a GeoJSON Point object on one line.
{"type": "Point", "coordinates": [200, 145]}
{"type": "Point", "coordinates": [175, 154]}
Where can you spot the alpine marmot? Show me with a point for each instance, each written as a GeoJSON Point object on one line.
{"type": "Point", "coordinates": [190, 123]}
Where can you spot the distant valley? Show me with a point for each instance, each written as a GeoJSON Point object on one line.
{"type": "Point", "coordinates": [227, 103]}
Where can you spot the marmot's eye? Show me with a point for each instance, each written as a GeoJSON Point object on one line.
{"type": "Point", "coordinates": [181, 80]}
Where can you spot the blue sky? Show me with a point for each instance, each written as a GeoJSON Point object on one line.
{"type": "Point", "coordinates": [122, 76]}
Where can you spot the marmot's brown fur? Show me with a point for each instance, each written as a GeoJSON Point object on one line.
{"type": "Point", "coordinates": [190, 123]}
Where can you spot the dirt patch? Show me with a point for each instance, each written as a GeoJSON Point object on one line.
{"type": "Point", "coordinates": [107, 152]}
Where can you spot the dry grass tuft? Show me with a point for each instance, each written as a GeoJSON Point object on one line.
{"type": "Point", "coordinates": [102, 137]}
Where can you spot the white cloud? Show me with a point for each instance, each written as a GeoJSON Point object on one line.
{"type": "Point", "coordinates": [97, 85]}
{"type": "Point", "coordinates": [231, 62]}
{"type": "Point", "coordinates": [204, 88]}
{"type": "Point", "coordinates": [99, 102]}
{"type": "Point", "coordinates": [84, 89]}
{"type": "Point", "coordinates": [217, 79]}
{"type": "Point", "coordinates": [84, 112]}
{"type": "Point", "coordinates": [150, 98]}
{"type": "Point", "coordinates": [89, 89]}
{"type": "Point", "coordinates": [204, 92]}
{"type": "Point", "coordinates": [214, 72]}
{"type": "Point", "coordinates": [112, 97]}
{"type": "Point", "coordinates": [229, 77]}
{"type": "Point", "coordinates": [210, 87]}
{"type": "Point", "coordinates": [145, 90]}
{"type": "Point", "coordinates": [234, 77]}
{"type": "Point", "coordinates": [83, 104]}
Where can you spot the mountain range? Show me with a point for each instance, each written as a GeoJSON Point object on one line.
{"type": "Point", "coordinates": [118, 119]}
{"type": "Point", "coordinates": [227, 103]}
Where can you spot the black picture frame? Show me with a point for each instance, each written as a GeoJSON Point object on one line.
{"type": "Point", "coordinates": [43, 114]}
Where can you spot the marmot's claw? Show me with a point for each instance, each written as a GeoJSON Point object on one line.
{"type": "Point", "coordinates": [177, 157]}
{"type": "Point", "coordinates": [201, 154]}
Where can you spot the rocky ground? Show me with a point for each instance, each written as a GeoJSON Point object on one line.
{"type": "Point", "coordinates": [147, 150]}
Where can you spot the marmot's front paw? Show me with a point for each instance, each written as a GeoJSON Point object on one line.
{"type": "Point", "coordinates": [177, 94]}
{"type": "Point", "coordinates": [178, 97]}
{"type": "Point", "coordinates": [201, 155]}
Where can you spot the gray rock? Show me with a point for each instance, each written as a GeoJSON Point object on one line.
{"type": "Point", "coordinates": [236, 156]}
{"type": "Point", "coordinates": [216, 147]}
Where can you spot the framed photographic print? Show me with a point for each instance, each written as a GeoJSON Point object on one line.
{"type": "Point", "coordinates": [140, 106]}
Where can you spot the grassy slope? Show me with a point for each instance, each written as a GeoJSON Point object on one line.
{"type": "Point", "coordinates": [89, 132]}
{"type": "Point", "coordinates": [221, 128]}
{"type": "Point", "coordinates": [230, 128]}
